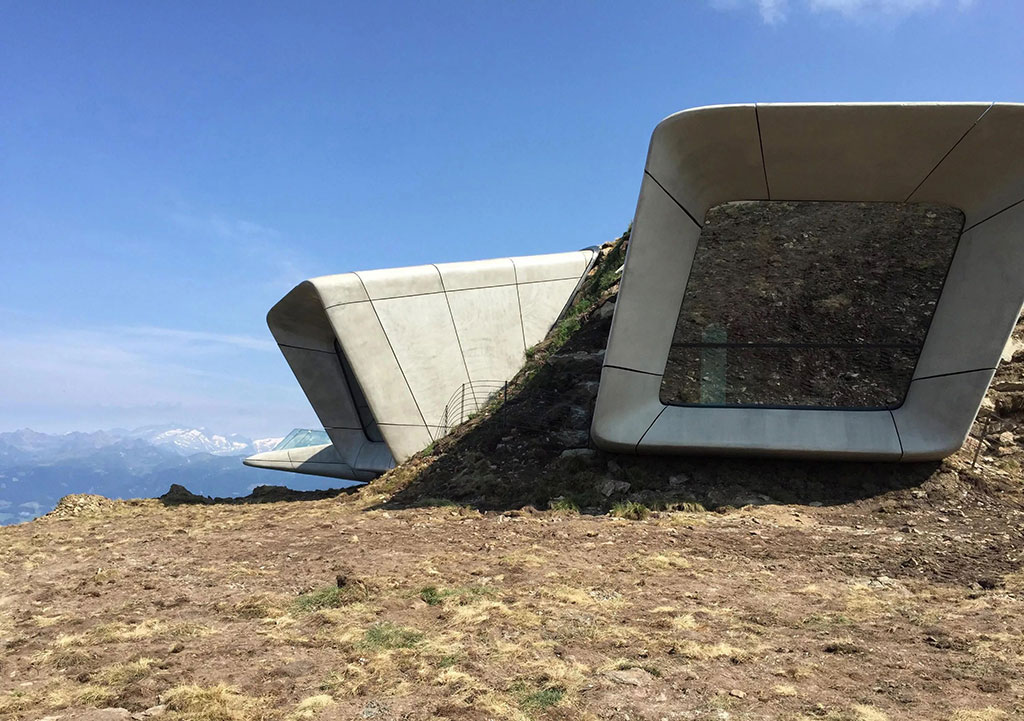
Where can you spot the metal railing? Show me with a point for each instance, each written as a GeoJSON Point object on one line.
{"type": "Point", "coordinates": [468, 400]}
{"type": "Point", "coordinates": [523, 414]}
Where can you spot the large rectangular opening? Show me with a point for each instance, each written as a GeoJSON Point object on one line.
{"type": "Point", "coordinates": [809, 304]}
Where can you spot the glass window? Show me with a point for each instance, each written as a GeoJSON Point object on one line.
{"type": "Point", "coordinates": [301, 438]}
{"type": "Point", "coordinates": [809, 304]}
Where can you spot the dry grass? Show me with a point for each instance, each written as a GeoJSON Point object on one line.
{"type": "Point", "coordinates": [707, 651]}
{"type": "Point", "coordinates": [121, 674]}
{"type": "Point", "coordinates": [523, 617]}
{"type": "Point", "coordinates": [208, 703]}
{"type": "Point", "coordinates": [310, 707]}
{"type": "Point", "coordinates": [989, 713]}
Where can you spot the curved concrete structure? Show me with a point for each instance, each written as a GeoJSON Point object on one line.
{"type": "Point", "coordinates": [380, 353]}
{"type": "Point", "coordinates": [969, 156]}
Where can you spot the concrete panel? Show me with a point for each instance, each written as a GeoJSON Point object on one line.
{"type": "Point", "coordinates": [400, 282]}
{"type": "Point", "coordinates": [317, 454]}
{"type": "Point", "coordinates": [985, 172]}
{"type": "Point", "coordinates": [857, 151]}
{"type": "Point", "coordinates": [981, 299]}
{"type": "Point", "coordinates": [540, 305]}
{"type": "Point", "coordinates": [707, 156]}
{"type": "Point", "coordinates": [339, 289]}
{"type": "Point", "coordinates": [477, 274]}
{"type": "Point", "coordinates": [555, 266]}
{"type": "Point", "coordinates": [320, 376]}
{"type": "Point", "coordinates": [635, 395]}
{"type": "Point", "coordinates": [489, 355]}
{"type": "Point", "coordinates": [935, 418]}
{"type": "Point", "coordinates": [658, 262]}
{"type": "Point", "coordinates": [368, 350]}
{"type": "Point", "coordinates": [347, 443]}
{"type": "Point", "coordinates": [317, 461]}
{"type": "Point", "coordinates": [842, 435]}
{"type": "Point", "coordinates": [297, 320]}
{"type": "Point", "coordinates": [375, 457]}
{"type": "Point", "coordinates": [404, 441]}
{"type": "Point", "coordinates": [422, 335]}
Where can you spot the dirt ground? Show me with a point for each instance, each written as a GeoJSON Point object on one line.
{"type": "Point", "coordinates": [904, 606]}
{"type": "Point", "coordinates": [685, 588]}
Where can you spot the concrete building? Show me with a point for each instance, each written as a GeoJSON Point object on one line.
{"type": "Point", "coordinates": [913, 314]}
{"type": "Point", "coordinates": [391, 359]}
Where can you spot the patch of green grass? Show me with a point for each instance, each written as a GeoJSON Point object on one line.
{"type": "Point", "coordinates": [435, 596]}
{"type": "Point", "coordinates": [569, 325]}
{"type": "Point", "coordinates": [606, 276]}
{"type": "Point", "coordinates": [387, 636]}
{"type": "Point", "coordinates": [564, 505]}
{"type": "Point", "coordinates": [448, 661]}
{"type": "Point", "coordinates": [326, 597]}
{"type": "Point", "coordinates": [431, 595]}
{"type": "Point", "coordinates": [543, 699]}
{"type": "Point", "coordinates": [630, 509]}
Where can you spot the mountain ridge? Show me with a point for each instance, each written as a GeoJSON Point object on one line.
{"type": "Point", "coordinates": [37, 469]}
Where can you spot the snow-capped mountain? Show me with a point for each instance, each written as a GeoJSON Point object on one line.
{"type": "Point", "coordinates": [265, 444]}
{"type": "Point", "coordinates": [187, 441]}
{"type": "Point", "coordinates": [36, 469]}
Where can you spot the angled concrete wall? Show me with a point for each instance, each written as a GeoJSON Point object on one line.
{"type": "Point", "coordinates": [969, 156]}
{"type": "Point", "coordinates": [380, 353]}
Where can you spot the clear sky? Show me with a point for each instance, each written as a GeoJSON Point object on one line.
{"type": "Point", "coordinates": [169, 170]}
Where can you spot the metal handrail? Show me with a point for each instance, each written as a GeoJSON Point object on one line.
{"type": "Point", "coordinates": [468, 400]}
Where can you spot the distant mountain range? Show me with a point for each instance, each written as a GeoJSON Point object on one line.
{"type": "Point", "coordinates": [37, 469]}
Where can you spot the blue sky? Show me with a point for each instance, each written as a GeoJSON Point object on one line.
{"type": "Point", "coordinates": [169, 170]}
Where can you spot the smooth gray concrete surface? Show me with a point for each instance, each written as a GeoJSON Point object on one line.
{"type": "Point", "coordinates": [966, 155]}
{"type": "Point", "coordinates": [410, 339]}
{"type": "Point", "coordinates": [321, 460]}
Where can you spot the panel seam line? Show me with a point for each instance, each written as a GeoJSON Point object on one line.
{"type": "Point", "coordinates": [636, 450]}
{"type": "Point", "coordinates": [397, 361]}
{"type": "Point", "coordinates": [299, 347]}
{"type": "Point", "coordinates": [896, 428]}
{"type": "Point", "coordinates": [948, 152]}
{"type": "Point", "coordinates": [681, 206]}
{"type": "Point", "coordinates": [760, 142]}
{"type": "Point", "coordinates": [632, 370]}
{"type": "Point", "coordinates": [455, 328]}
{"type": "Point", "coordinates": [953, 373]}
{"type": "Point", "coordinates": [457, 290]}
{"type": "Point", "coordinates": [519, 302]}
{"type": "Point", "coordinates": [998, 212]}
